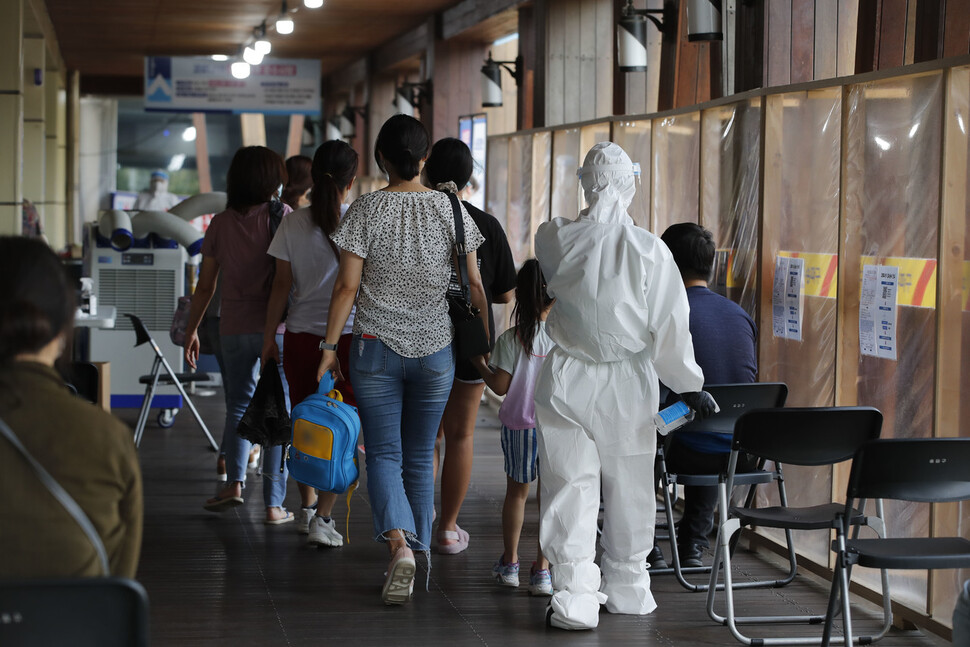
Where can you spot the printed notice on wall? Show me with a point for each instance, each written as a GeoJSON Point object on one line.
{"type": "Point", "coordinates": [787, 298]}
{"type": "Point", "coordinates": [199, 84]}
{"type": "Point", "coordinates": [877, 311]}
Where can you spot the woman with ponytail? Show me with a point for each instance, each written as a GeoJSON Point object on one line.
{"type": "Point", "coordinates": [396, 261]}
{"type": "Point", "coordinates": [449, 168]}
{"type": "Point", "coordinates": [306, 268]}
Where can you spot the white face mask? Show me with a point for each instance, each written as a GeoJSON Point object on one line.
{"type": "Point", "coordinates": [159, 185]}
{"type": "Point", "coordinates": [279, 192]}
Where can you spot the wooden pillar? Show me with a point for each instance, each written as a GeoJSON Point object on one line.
{"type": "Point", "coordinates": [253, 129]}
{"type": "Point", "coordinates": [11, 115]}
{"type": "Point", "coordinates": [35, 134]}
{"type": "Point", "coordinates": [295, 136]}
{"type": "Point", "coordinates": [202, 152]}
{"type": "Point", "coordinates": [532, 92]}
{"type": "Point", "coordinates": [55, 224]}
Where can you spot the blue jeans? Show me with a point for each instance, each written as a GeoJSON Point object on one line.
{"type": "Point", "coordinates": [240, 358]}
{"type": "Point", "coordinates": [400, 400]}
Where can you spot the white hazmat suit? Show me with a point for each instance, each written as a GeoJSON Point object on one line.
{"type": "Point", "coordinates": [157, 197]}
{"type": "Point", "coordinates": [620, 322]}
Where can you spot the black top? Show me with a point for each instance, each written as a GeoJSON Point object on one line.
{"type": "Point", "coordinates": [495, 262]}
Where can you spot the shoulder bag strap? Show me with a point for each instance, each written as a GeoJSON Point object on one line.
{"type": "Point", "coordinates": [460, 245]}
{"type": "Point", "coordinates": [61, 495]}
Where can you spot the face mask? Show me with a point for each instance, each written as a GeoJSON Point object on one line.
{"type": "Point", "coordinates": [279, 192]}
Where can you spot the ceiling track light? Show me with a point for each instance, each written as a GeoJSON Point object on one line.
{"type": "Point", "coordinates": [284, 24]}
{"type": "Point", "coordinates": [251, 56]}
{"type": "Point", "coordinates": [312, 4]}
{"type": "Point", "coordinates": [260, 44]}
{"type": "Point", "coordinates": [240, 69]}
{"type": "Point", "coordinates": [492, 79]}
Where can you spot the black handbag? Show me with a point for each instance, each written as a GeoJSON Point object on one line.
{"type": "Point", "coordinates": [471, 339]}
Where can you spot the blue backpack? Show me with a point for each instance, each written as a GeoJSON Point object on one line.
{"type": "Point", "coordinates": [323, 450]}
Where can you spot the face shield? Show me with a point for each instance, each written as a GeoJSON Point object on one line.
{"type": "Point", "coordinates": [608, 180]}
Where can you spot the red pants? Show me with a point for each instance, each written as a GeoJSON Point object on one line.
{"type": "Point", "coordinates": [301, 358]}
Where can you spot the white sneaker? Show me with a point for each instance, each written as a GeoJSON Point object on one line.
{"type": "Point", "coordinates": [323, 533]}
{"type": "Point", "coordinates": [303, 518]}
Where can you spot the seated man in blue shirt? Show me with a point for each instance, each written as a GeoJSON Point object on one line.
{"type": "Point", "coordinates": [724, 339]}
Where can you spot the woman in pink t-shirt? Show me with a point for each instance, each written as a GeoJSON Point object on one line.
{"type": "Point", "coordinates": [234, 250]}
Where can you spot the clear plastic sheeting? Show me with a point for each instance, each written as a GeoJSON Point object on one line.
{"type": "Point", "coordinates": [497, 179]}
{"type": "Point", "coordinates": [675, 169]}
{"type": "Point", "coordinates": [541, 179]}
{"type": "Point", "coordinates": [730, 194]}
{"type": "Point", "coordinates": [811, 124]}
{"type": "Point", "coordinates": [892, 153]}
{"type": "Point", "coordinates": [566, 160]}
{"type": "Point", "coordinates": [519, 225]}
{"type": "Point", "coordinates": [953, 519]}
{"type": "Point", "coordinates": [634, 138]}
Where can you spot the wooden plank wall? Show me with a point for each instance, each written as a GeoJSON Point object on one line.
{"type": "Point", "coordinates": [801, 40]}
{"type": "Point", "coordinates": [892, 33]}
{"type": "Point", "coordinates": [458, 90]}
{"type": "Point", "coordinates": [579, 61]}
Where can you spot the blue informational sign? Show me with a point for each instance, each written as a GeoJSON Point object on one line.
{"type": "Point", "coordinates": [473, 130]}
{"type": "Point", "coordinates": [199, 84]}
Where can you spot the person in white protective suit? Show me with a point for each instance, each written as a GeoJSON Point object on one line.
{"type": "Point", "coordinates": [156, 197]}
{"type": "Point", "coordinates": [620, 323]}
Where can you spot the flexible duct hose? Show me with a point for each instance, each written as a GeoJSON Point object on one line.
{"type": "Point", "coordinates": [167, 225]}
{"type": "Point", "coordinates": [115, 225]}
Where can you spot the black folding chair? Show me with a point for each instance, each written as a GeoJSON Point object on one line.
{"type": "Point", "coordinates": [82, 612]}
{"type": "Point", "coordinates": [929, 470]}
{"type": "Point", "coordinates": [155, 378]}
{"type": "Point", "coordinates": [733, 400]}
{"type": "Point", "coordinates": [814, 436]}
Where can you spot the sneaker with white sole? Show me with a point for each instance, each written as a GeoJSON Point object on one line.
{"type": "Point", "coordinates": [303, 519]}
{"type": "Point", "coordinates": [540, 582]}
{"type": "Point", "coordinates": [323, 533]}
{"type": "Point", "coordinates": [399, 581]}
{"type": "Point", "coordinates": [506, 574]}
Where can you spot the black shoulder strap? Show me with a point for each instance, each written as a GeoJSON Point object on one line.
{"type": "Point", "coordinates": [460, 244]}
{"type": "Point", "coordinates": [61, 495]}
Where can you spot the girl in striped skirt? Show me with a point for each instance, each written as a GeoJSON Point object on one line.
{"type": "Point", "coordinates": [512, 371]}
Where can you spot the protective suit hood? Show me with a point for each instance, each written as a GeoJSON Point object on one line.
{"type": "Point", "coordinates": [608, 178]}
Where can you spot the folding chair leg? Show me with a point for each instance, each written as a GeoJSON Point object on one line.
{"type": "Point", "coordinates": [146, 404]}
{"type": "Point", "coordinates": [188, 401]}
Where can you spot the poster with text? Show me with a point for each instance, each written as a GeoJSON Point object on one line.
{"type": "Point", "coordinates": [787, 297]}
{"type": "Point", "coordinates": [877, 311]}
{"type": "Point", "coordinates": [199, 84]}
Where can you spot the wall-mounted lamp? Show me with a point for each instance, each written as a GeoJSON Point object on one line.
{"type": "Point", "coordinates": [631, 36]}
{"type": "Point", "coordinates": [333, 128]}
{"type": "Point", "coordinates": [492, 79]}
{"type": "Point", "coordinates": [410, 94]}
{"type": "Point", "coordinates": [348, 118]}
{"type": "Point", "coordinates": [704, 20]}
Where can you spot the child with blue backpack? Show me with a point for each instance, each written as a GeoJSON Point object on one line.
{"type": "Point", "coordinates": [512, 371]}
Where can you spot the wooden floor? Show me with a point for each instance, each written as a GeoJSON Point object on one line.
{"type": "Point", "coordinates": [229, 580]}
